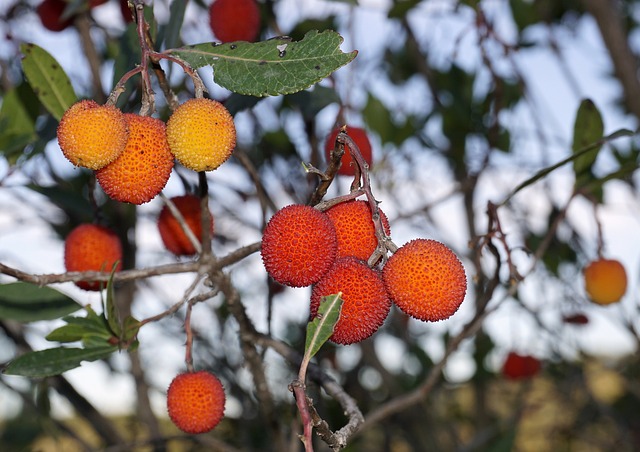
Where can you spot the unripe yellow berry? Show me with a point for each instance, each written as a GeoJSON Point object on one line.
{"type": "Point", "coordinates": [605, 281]}
{"type": "Point", "coordinates": [201, 134]}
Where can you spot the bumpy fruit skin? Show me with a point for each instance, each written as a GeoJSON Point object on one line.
{"type": "Point", "coordinates": [359, 136]}
{"type": "Point", "coordinates": [605, 281]}
{"type": "Point", "coordinates": [426, 280]}
{"type": "Point", "coordinates": [355, 229]}
{"type": "Point", "coordinates": [234, 20]}
{"type": "Point", "coordinates": [366, 303]}
{"type": "Point", "coordinates": [50, 13]}
{"type": "Point", "coordinates": [90, 247]}
{"type": "Point", "coordinates": [299, 245]}
{"type": "Point", "coordinates": [520, 367]}
{"type": "Point", "coordinates": [195, 401]}
{"type": "Point", "coordinates": [92, 135]}
{"type": "Point", "coordinates": [172, 234]}
{"type": "Point", "coordinates": [144, 167]}
{"type": "Point", "coordinates": [201, 134]}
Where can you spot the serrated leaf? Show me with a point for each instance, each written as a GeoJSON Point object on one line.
{"type": "Point", "coordinates": [320, 329]}
{"type": "Point", "coordinates": [588, 129]}
{"type": "Point", "coordinates": [54, 361]}
{"type": "Point", "coordinates": [48, 80]}
{"type": "Point", "coordinates": [269, 68]}
{"type": "Point", "coordinates": [26, 302]}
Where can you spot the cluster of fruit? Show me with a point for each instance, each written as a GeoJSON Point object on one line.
{"type": "Point", "coordinates": [133, 155]}
{"type": "Point", "coordinates": [302, 246]}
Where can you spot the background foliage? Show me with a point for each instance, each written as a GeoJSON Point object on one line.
{"type": "Point", "coordinates": [470, 106]}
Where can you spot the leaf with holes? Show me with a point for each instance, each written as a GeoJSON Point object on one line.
{"type": "Point", "coordinates": [269, 68]}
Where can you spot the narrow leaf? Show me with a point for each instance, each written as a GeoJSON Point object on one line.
{"type": "Point", "coordinates": [320, 329]}
{"type": "Point", "coordinates": [588, 128]}
{"type": "Point", "coordinates": [54, 361]}
{"type": "Point", "coordinates": [48, 80]}
{"type": "Point", "coordinates": [111, 310]}
{"type": "Point", "coordinates": [269, 68]}
{"type": "Point", "coordinates": [26, 302]}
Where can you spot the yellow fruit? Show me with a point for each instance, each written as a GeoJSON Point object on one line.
{"type": "Point", "coordinates": [201, 134]}
{"type": "Point", "coordinates": [92, 135]}
{"type": "Point", "coordinates": [143, 169]}
{"type": "Point", "coordinates": [605, 281]}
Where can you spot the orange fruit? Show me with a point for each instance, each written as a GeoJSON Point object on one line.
{"type": "Point", "coordinates": [90, 247]}
{"type": "Point", "coordinates": [520, 367]}
{"type": "Point", "coordinates": [365, 304]}
{"type": "Point", "coordinates": [605, 281]}
{"type": "Point", "coordinates": [299, 245]}
{"type": "Point", "coordinates": [360, 137]}
{"type": "Point", "coordinates": [172, 234]}
{"type": "Point", "coordinates": [426, 280]}
{"type": "Point", "coordinates": [144, 167]}
{"type": "Point", "coordinates": [201, 134]}
{"type": "Point", "coordinates": [92, 135]}
{"type": "Point", "coordinates": [195, 401]}
{"type": "Point", "coordinates": [234, 20]}
{"type": "Point", "coordinates": [355, 229]}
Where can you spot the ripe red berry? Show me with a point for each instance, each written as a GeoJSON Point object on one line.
{"type": "Point", "coordinates": [299, 245]}
{"type": "Point", "coordinates": [195, 401]}
{"type": "Point", "coordinates": [519, 367]}
{"type": "Point", "coordinates": [90, 247]}
{"type": "Point", "coordinates": [576, 319]}
{"type": "Point", "coordinates": [359, 136]}
{"type": "Point", "coordinates": [50, 13]}
{"type": "Point", "coordinates": [172, 234]}
{"type": "Point", "coordinates": [365, 305]}
{"type": "Point", "coordinates": [355, 229]}
{"type": "Point", "coordinates": [234, 20]}
{"type": "Point", "coordinates": [127, 15]}
{"type": "Point", "coordinates": [426, 280]}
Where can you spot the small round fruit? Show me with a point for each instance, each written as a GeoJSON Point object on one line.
{"type": "Point", "coordinates": [172, 234]}
{"type": "Point", "coordinates": [92, 135]}
{"type": "Point", "coordinates": [520, 367]}
{"type": "Point", "coordinates": [355, 229]}
{"type": "Point", "coordinates": [299, 245]}
{"type": "Point", "coordinates": [201, 134]}
{"type": "Point", "coordinates": [359, 136]}
{"type": "Point", "coordinates": [144, 167]}
{"type": "Point", "coordinates": [195, 401]}
{"type": "Point", "coordinates": [234, 20]}
{"type": "Point", "coordinates": [426, 280]}
{"type": "Point", "coordinates": [605, 281]}
{"type": "Point", "coordinates": [90, 247]}
{"type": "Point", "coordinates": [125, 11]}
{"type": "Point", "coordinates": [366, 303]}
{"type": "Point", "coordinates": [50, 13]}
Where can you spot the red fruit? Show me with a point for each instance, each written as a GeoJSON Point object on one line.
{"type": "Point", "coordinates": [355, 229]}
{"type": "Point", "coordinates": [234, 20]}
{"type": "Point", "coordinates": [195, 401]}
{"type": "Point", "coordinates": [90, 247]}
{"type": "Point", "coordinates": [94, 3]}
{"type": "Point", "coordinates": [359, 136]}
{"type": "Point", "coordinates": [519, 367]}
{"type": "Point", "coordinates": [172, 234]}
{"type": "Point", "coordinates": [50, 13]}
{"type": "Point", "coordinates": [365, 305]}
{"type": "Point", "coordinates": [576, 319]}
{"type": "Point", "coordinates": [299, 245]}
{"type": "Point", "coordinates": [426, 280]}
{"type": "Point", "coordinates": [127, 15]}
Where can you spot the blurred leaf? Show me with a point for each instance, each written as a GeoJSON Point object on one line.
{"type": "Point", "coordinates": [169, 35]}
{"type": "Point", "coordinates": [54, 361]}
{"type": "Point", "coordinates": [48, 80]}
{"type": "Point", "coordinates": [378, 118]}
{"type": "Point", "coordinates": [311, 102]}
{"type": "Point", "coordinates": [401, 8]}
{"type": "Point", "coordinates": [17, 121]}
{"type": "Point", "coordinates": [269, 68]}
{"type": "Point", "coordinates": [304, 27]}
{"type": "Point", "coordinates": [320, 329]}
{"type": "Point", "coordinates": [26, 302]}
{"type": "Point", "coordinates": [588, 129]}
{"type": "Point", "coordinates": [239, 102]}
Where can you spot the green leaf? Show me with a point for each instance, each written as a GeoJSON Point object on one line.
{"type": "Point", "coordinates": [54, 361]}
{"type": "Point", "coordinates": [111, 310]}
{"type": "Point", "coordinates": [17, 121]}
{"type": "Point", "coordinates": [171, 32]}
{"type": "Point", "coordinates": [26, 302]}
{"type": "Point", "coordinates": [588, 129]}
{"type": "Point", "coordinates": [79, 327]}
{"type": "Point", "coordinates": [269, 68]}
{"type": "Point", "coordinates": [68, 333]}
{"type": "Point", "coordinates": [320, 329]}
{"type": "Point", "coordinates": [48, 80]}
{"type": "Point", "coordinates": [130, 328]}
